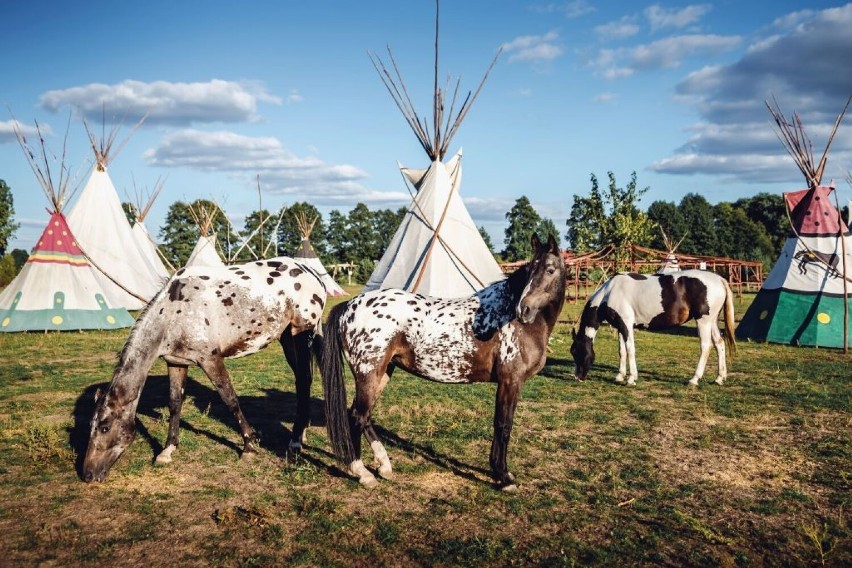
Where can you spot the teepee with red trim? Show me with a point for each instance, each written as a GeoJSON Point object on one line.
{"type": "Point", "coordinates": [805, 299]}
{"type": "Point", "coordinates": [57, 288]}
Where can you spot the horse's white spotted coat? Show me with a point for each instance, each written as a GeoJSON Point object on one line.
{"type": "Point", "coordinates": [443, 333]}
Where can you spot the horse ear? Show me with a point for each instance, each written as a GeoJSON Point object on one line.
{"type": "Point", "coordinates": [98, 394]}
{"type": "Point", "coordinates": [552, 245]}
{"type": "Point", "coordinates": [536, 244]}
{"type": "Point", "coordinates": [573, 333]}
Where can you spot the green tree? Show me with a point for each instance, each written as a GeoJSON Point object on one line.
{"type": "Point", "coordinates": [289, 237]}
{"type": "Point", "coordinates": [697, 214]}
{"type": "Point", "coordinates": [737, 236]}
{"type": "Point", "coordinates": [768, 209]}
{"type": "Point", "coordinates": [386, 222]}
{"type": "Point", "coordinates": [7, 270]}
{"type": "Point", "coordinates": [8, 227]}
{"type": "Point", "coordinates": [523, 222]}
{"type": "Point", "coordinates": [546, 228]}
{"type": "Point", "coordinates": [180, 232]}
{"type": "Point", "coordinates": [361, 234]}
{"type": "Point", "coordinates": [129, 212]}
{"type": "Point", "coordinates": [486, 238]}
{"type": "Point", "coordinates": [20, 256]}
{"type": "Point", "coordinates": [336, 238]}
{"type": "Point", "coordinates": [666, 216]}
{"type": "Point", "coordinates": [258, 238]}
{"type": "Point", "coordinates": [610, 218]}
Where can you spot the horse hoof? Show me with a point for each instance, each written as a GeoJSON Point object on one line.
{"type": "Point", "coordinates": [386, 472]}
{"type": "Point", "coordinates": [369, 482]}
{"type": "Point", "coordinates": [510, 488]}
{"type": "Point", "coordinates": [162, 460]}
{"type": "Point", "coordinates": [719, 381]}
{"type": "Point", "coordinates": [619, 380]}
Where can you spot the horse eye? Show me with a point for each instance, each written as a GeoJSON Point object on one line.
{"type": "Point", "coordinates": [104, 429]}
{"type": "Point", "coordinates": [551, 270]}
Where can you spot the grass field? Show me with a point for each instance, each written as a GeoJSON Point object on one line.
{"type": "Point", "coordinates": [756, 472]}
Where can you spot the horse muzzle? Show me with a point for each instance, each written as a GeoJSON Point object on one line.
{"type": "Point", "coordinates": [526, 313]}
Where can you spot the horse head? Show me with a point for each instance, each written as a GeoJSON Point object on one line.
{"type": "Point", "coordinates": [545, 286]}
{"type": "Point", "coordinates": [583, 351]}
{"type": "Point", "coordinates": [113, 427]}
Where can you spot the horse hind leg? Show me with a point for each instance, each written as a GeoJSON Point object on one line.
{"type": "Point", "coordinates": [297, 351]}
{"type": "Point", "coordinates": [367, 391]}
{"type": "Point", "coordinates": [705, 337]}
{"type": "Point", "coordinates": [719, 343]}
{"type": "Point", "coordinates": [215, 369]}
{"type": "Point", "coordinates": [177, 380]}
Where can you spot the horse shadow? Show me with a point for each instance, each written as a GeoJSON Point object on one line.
{"type": "Point", "coordinates": [267, 413]}
{"type": "Point", "coordinates": [562, 369]}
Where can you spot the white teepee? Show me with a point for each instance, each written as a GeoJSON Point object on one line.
{"type": "Point", "coordinates": [307, 256]}
{"type": "Point", "coordinates": [57, 288]}
{"type": "Point", "coordinates": [143, 238]}
{"type": "Point", "coordinates": [204, 253]}
{"type": "Point", "coordinates": [437, 249]}
{"type": "Point", "coordinates": [102, 229]}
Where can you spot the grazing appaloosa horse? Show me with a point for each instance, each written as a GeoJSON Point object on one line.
{"type": "Point", "coordinates": [497, 335]}
{"type": "Point", "coordinates": [202, 316]}
{"type": "Point", "coordinates": [656, 301]}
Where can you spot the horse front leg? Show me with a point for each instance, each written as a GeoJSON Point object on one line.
{"type": "Point", "coordinates": [177, 380]}
{"type": "Point", "coordinates": [508, 391]}
{"type": "Point", "coordinates": [218, 374]}
{"type": "Point", "coordinates": [297, 350]}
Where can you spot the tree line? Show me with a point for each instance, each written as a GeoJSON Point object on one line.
{"type": "Point", "coordinates": [750, 228]}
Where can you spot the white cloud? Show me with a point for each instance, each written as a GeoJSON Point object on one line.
{"type": "Point", "coordinates": [665, 53]}
{"type": "Point", "coordinates": [7, 130]}
{"type": "Point", "coordinates": [807, 68]}
{"type": "Point", "coordinates": [661, 18]}
{"type": "Point", "coordinates": [165, 102]}
{"type": "Point", "coordinates": [534, 47]}
{"type": "Point", "coordinates": [571, 10]}
{"type": "Point", "coordinates": [623, 28]}
{"type": "Point", "coordinates": [605, 98]}
{"type": "Point", "coordinates": [293, 97]}
{"type": "Point", "coordinates": [281, 171]}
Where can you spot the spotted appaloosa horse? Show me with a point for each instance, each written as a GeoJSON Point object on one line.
{"type": "Point", "coordinates": [497, 335]}
{"type": "Point", "coordinates": [202, 316]}
{"type": "Point", "coordinates": [657, 301]}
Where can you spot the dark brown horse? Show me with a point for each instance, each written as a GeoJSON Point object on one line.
{"type": "Point", "coordinates": [202, 316]}
{"type": "Point", "coordinates": [497, 335]}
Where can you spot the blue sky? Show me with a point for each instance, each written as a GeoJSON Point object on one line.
{"type": "Point", "coordinates": [286, 90]}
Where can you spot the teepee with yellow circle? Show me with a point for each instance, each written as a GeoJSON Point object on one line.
{"type": "Point", "coordinates": [805, 299]}
{"type": "Point", "coordinates": [57, 288]}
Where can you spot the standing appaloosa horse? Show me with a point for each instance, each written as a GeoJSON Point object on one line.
{"type": "Point", "coordinates": [498, 334]}
{"type": "Point", "coordinates": [656, 301]}
{"type": "Point", "coordinates": [202, 316]}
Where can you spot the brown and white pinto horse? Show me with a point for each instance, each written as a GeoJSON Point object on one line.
{"type": "Point", "coordinates": [497, 335]}
{"type": "Point", "coordinates": [657, 301]}
{"type": "Point", "coordinates": [202, 316]}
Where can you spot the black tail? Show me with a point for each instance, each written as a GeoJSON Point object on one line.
{"type": "Point", "coordinates": [331, 368]}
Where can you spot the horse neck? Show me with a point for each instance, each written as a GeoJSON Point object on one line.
{"type": "Point", "coordinates": [589, 321]}
{"type": "Point", "coordinates": [137, 357]}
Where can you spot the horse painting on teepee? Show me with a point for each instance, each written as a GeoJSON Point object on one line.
{"type": "Point", "coordinates": [805, 298]}
{"type": "Point", "coordinates": [307, 256]}
{"type": "Point", "coordinates": [57, 288]}
{"type": "Point", "coordinates": [437, 249]}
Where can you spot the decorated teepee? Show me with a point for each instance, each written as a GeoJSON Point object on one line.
{"type": "Point", "coordinates": [57, 288]}
{"type": "Point", "coordinates": [437, 249]}
{"type": "Point", "coordinates": [805, 298]}
{"type": "Point", "coordinates": [204, 253]}
{"type": "Point", "coordinates": [307, 256]}
{"type": "Point", "coordinates": [141, 207]}
{"type": "Point", "coordinates": [102, 229]}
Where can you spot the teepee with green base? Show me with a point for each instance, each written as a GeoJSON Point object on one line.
{"type": "Point", "coordinates": [805, 299]}
{"type": "Point", "coordinates": [57, 288]}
